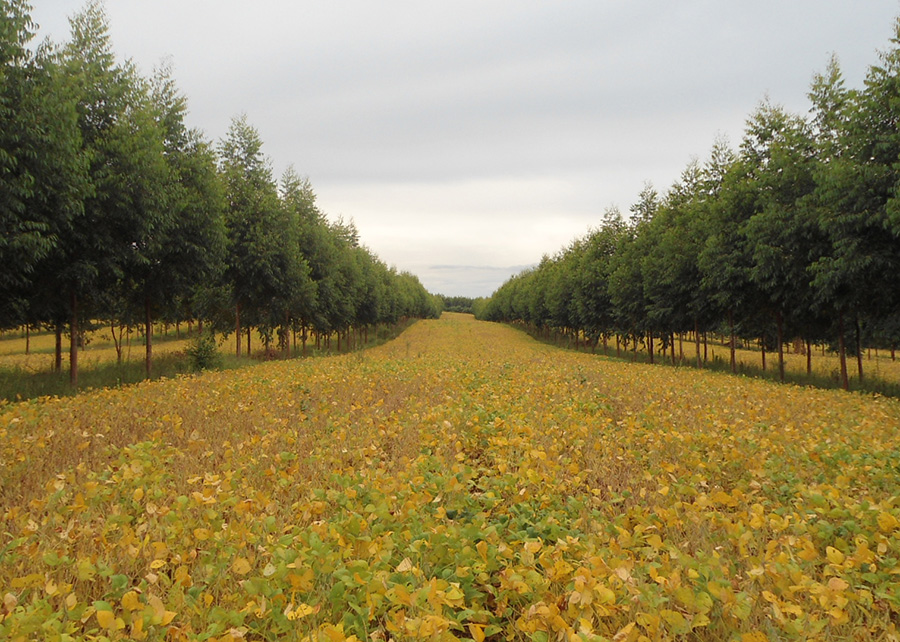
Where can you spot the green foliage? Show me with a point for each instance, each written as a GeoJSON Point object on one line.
{"type": "Point", "coordinates": [794, 236]}
{"type": "Point", "coordinates": [204, 353]}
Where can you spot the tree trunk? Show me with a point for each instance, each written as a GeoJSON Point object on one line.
{"type": "Point", "coordinates": [697, 340]}
{"type": "Point", "coordinates": [731, 330]}
{"type": "Point", "coordinates": [672, 339]}
{"type": "Point", "coordinates": [303, 337]}
{"type": "Point", "coordinates": [237, 330]}
{"type": "Point", "coordinates": [859, 359]}
{"type": "Point", "coordinates": [842, 351]}
{"type": "Point", "coordinates": [148, 331]}
{"type": "Point", "coordinates": [249, 352]}
{"type": "Point", "coordinates": [779, 318]}
{"type": "Point", "coordinates": [650, 345]}
{"type": "Point", "coordinates": [73, 342]}
{"type": "Point", "coordinates": [762, 348]}
{"type": "Point", "coordinates": [27, 339]}
{"type": "Point", "coordinates": [618, 355]}
{"type": "Point", "coordinates": [117, 341]}
{"type": "Point", "coordinates": [705, 348]}
{"type": "Point", "coordinates": [57, 356]}
{"type": "Point", "coordinates": [808, 358]}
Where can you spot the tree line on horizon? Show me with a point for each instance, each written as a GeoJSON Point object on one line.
{"type": "Point", "coordinates": [793, 236]}
{"type": "Point", "coordinates": [113, 210]}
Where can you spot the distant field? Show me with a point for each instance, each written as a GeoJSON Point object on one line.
{"type": "Point", "coordinates": [100, 349]}
{"type": "Point", "coordinates": [460, 482]}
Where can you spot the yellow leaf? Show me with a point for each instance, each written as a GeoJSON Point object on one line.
{"type": "Point", "coordinates": [887, 522]}
{"type": "Point", "coordinates": [202, 534]}
{"type": "Point", "coordinates": [106, 619]}
{"type": "Point", "coordinates": [155, 564]}
{"type": "Point", "coordinates": [834, 556]}
{"type": "Point", "coordinates": [476, 631]}
{"type": "Point", "coordinates": [837, 584]}
{"type": "Point", "coordinates": [300, 611]}
{"type": "Point", "coordinates": [241, 566]}
{"type": "Point", "coordinates": [138, 494]}
{"type": "Point", "coordinates": [130, 601]}
{"type": "Point", "coordinates": [159, 609]}
{"type": "Point", "coordinates": [405, 566]}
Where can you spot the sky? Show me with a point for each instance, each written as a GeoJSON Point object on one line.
{"type": "Point", "coordinates": [467, 139]}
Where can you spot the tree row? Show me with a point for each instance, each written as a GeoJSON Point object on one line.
{"type": "Point", "coordinates": [113, 210]}
{"type": "Point", "coordinates": [793, 236]}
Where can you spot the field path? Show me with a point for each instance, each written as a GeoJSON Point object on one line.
{"type": "Point", "coordinates": [460, 482]}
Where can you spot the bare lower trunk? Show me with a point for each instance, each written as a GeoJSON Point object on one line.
{"type": "Point", "coordinates": [808, 358]}
{"type": "Point", "coordinates": [27, 339]}
{"type": "Point", "coordinates": [780, 322]}
{"type": "Point", "coordinates": [762, 348]}
{"type": "Point", "coordinates": [237, 330]}
{"type": "Point", "coordinates": [148, 332]}
{"type": "Point", "coordinates": [859, 359]}
{"type": "Point", "coordinates": [842, 351]}
{"type": "Point", "coordinates": [650, 345]}
{"type": "Point", "coordinates": [73, 342]}
{"type": "Point", "coordinates": [57, 356]}
{"type": "Point", "coordinates": [697, 340]}
{"type": "Point", "coordinates": [731, 343]}
{"type": "Point", "coordinates": [117, 341]}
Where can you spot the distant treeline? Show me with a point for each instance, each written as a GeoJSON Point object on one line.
{"type": "Point", "coordinates": [112, 210]}
{"type": "Point", "coordinates": [462, 304]}
{"type": "Point", "coordinates": [793, 236]}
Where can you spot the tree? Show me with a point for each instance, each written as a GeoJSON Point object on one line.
{"type": "Point", "coordinates": [124, 149]}
{"type": "Point", "coordinates": [42, 172]}
{"type": "Point", "coordinates": [264, 260]}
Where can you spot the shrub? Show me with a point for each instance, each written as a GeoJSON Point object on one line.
{"type": "Point", "coordinates": [204, 353]}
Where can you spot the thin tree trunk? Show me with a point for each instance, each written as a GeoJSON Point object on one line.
{"type": "Point", "coordinates": [650, 345]}
{"type": "Point", "coordinates": [249, 352]}
{"type": "Point", "coordinates": [237, 330]}
{"type": "Point", "coordinates": [731, 330]}
{"type": "Point", "coordinates": [808, 358]}
{"type": "Point", "coordinates": [842, 351]}
{"type": "Point", "coordinates": [697, 340]}
{"type": "Point", "coordinates": [148, 325]}
{"type": "Point", "coordinates": [705, 348]}
{"type": "Point", "coordinates": [859, 358]}
{"type": "Point", "coordinates": [618, 355]}
{"type": "Point", "coordinates": [117, 341]}
{"type": "Point", "coordinates": [27, 339]}
{"type": "Point", "coordinates": [57, 356]}
{"type": "Point", "coordinates": [762, 347]}
{"type": "Point", "coordinates": [73, 342]}
{"type": "Point", "coordinates": [672, 339]}
{"type": "Point", "coordinates": [780, 322]}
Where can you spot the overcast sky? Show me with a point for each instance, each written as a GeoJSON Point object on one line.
{"type": "Point", "coordinates": [468, 138]}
